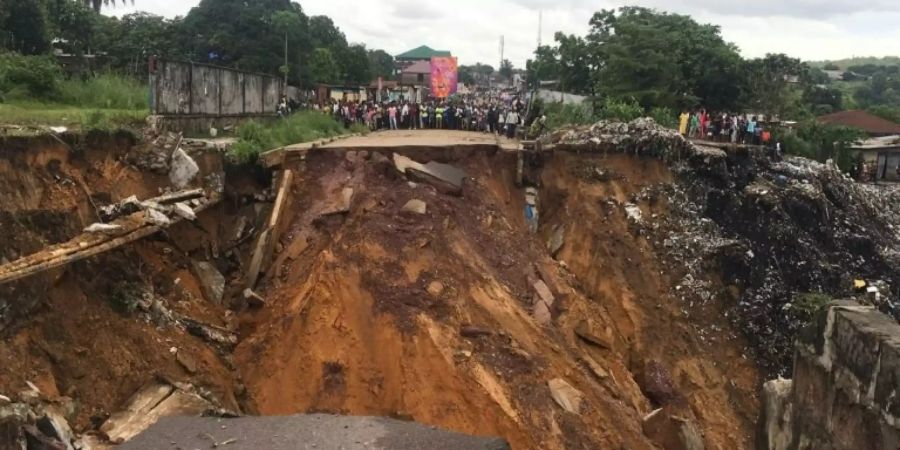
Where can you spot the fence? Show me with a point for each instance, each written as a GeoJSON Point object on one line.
{"type": "Point", "coordinates": [184, 88]}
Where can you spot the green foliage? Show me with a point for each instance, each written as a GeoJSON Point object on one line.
{"type": "Point", "coordinates": [38, 76]}
{"type": "Point", "coordinates": [106, 91]}
{"type": "Point", "coordinates": [886, 112]}
{"type": "Point", "coordinates": [665, 117]}
{"type": "Point", "coordinates": [806, 305]}
{"type": "Point", "coordinates": [559, 114]}
{"type": "Point", "coordinates": [255, 138]}
{"type": "Point", "coordinates": [506, 69]}
{"type": "Point", "coordinates": [623, 110]}
{"type": "Point", "coordinates": [322, 66]}
{"type": "Point", "coordinates": [822, 142]}
{"type": "Point", "coordinates": [381, 63]}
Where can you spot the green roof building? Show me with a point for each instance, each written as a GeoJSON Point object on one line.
{"type": "Point", "coordinates": [421, 53]}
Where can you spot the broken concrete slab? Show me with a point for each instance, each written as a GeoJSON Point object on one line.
{"type": "Point", "coordinates": [147, 406]}
{"type": "Point", "coordinates": [415, 206]}
{"type": "Point", "coordinates": [183, 169]}
{"type": "Point", "coordinates": [586, 331]}
{"type": "Point", "coordinates": [104, 228]}
{"type": "Point", "coordinates": [317, 431]}
{"type": "Point", "coordinates": [155, 217]}
{"type": "Point", "coordinates": [445, 173]}
{"type": "Point", "coordinates": [212, 282]}
{"type": "Point", "coordinates": [566, 396]}
{"type": "Point", "coordinates": [184, 211]}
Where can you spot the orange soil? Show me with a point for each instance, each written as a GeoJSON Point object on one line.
{"type": "Point", "coordinates": [350, 327]}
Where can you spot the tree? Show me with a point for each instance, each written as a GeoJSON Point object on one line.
{"type": "Point", "coordinates": [24, 29]}
{"type": "Point", "coordinates": [322, 66]}
{"type": "Point", "coordinates": [381, 64]}
{"type": "Point", "coordinates": [74, 23]}
{"type": "Point", "coordinates": [661, 59]}
{"type": "Point", "coordinates": [769, 80]}
{"type": "Point", "coordinates": [284, 22]}
{"type": "Point", "coordinates": [355, 66]}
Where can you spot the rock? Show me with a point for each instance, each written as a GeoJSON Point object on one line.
{"type": "Point", "coordinates": [557, 240]}
{"type": "Point", "coordinates": [656, 383]}
{"type": "Point", "coordinates": [186, 361]}
{"type": "Point", "coordinates": [183, 169]}
{"type": "Point", "coordinates": [415, 206]}
{"type": "Point", "coordinates": [672, 432]}
{"type": "Point", "coordinates": [585, 331]}
{"type": "Point", "coordinates": [104, 228]}
{"type": "Point", "coordinates": [184, 211]}
{"type": "Point", "coordinates": [595, 368]}
{"type": "Point", "coordinates": [544, 293]}
{"type": "Point", "coordinates": [435, 289]}
{"type": "Point", "coordinates": [450, 176]}
{"type": "Point", "coordinates": [211, 281]}
{"type": "Point", "coordinates": [541, 313]}
{"type": "Point", "coordinates": [470, 331]}
{"type": "Point", "coordinates": [633, 212]}
{"type": "Point", "coordinates": [36, 440]}
{"type": "Point", "coordinates": [341, 204]}
{"type": "Point", "coordinates": [254, 299]}
{"type": "Point", "coordinates": [147, 406]}
{"type": "Point", "coordinates": [566, 396]}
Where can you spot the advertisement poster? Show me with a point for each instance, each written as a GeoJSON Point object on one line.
{"type": "Point", "coordinates": [443, 76]}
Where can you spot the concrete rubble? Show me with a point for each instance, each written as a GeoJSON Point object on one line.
{"type": "Point", "coordinates": [183, 169]}
{"type": "Point", "coordinates": [444, 177]}
{"type": "Point", "coordinates": [415, 206]}
{"type": "Point", "coordinates": [212, 282]}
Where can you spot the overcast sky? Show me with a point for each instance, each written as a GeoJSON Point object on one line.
{"type": "Point", "coordinates": [471, 29]}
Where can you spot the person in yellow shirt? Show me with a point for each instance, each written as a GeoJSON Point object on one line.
{"type": "Point", "coordinates": [683, 123]}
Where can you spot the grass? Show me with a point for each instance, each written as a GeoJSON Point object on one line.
{"type": "Point", "coordinates": [31, 113]}
{"type": "Point", "coordinates": [255, 138]}
{"type": "Point", "coordinates": [100, 102]}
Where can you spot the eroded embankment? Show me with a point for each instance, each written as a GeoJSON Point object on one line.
{"type": "Point", "coordinates": [431, 316]}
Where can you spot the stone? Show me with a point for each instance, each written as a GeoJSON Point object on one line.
{"type": "Point", "coordinates": [633, 212]}
{"type": "Point", "coordinates": [184, 211]}
{"type": "Point", "coordinates": [544, 293]}
{"type": "Point", "coordinates": [340, 204]}
{"type": "Point", "coordinates": [53, 424]}
{"type": "Point", "coordinates": [187, 361]}
{"type": "Point", "coordinates": [541, 313]}
{"type": "Point", "coordinates": [254, 299]}
{"type": "Point", "coordinates": [656, 383]}
{"type": "Point", "coordinates": [147, 406]}
{"type": "Point", "coordinates": [36, 440]}
{"type": "Point", "coordinates": [211, 281]}
{"type": "Point", "coordinates": [596, 368]}
{"type": "Point", "coordinates": [435, 288]}
{"type": "Point", "coordinates": [557, 240]}
{"type": "Point", "coordinates": [415, 206]}
{"type": "Point", "coordinates": [585, 331]}
{"type": "Point", "coordinates": [183, 169]}
{"type": "Point", "coordinates": [566, 396]}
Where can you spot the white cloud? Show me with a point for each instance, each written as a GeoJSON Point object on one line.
{"type": "Point", "coordinates": [471, 29]}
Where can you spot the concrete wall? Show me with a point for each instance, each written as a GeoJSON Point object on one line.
{"type": "Point", "coordinates": [182, 88]}
{"type": "Point", "coordinates": [844, 391]}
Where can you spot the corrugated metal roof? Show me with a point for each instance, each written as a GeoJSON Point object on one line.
{"type": "Point", "coordinates": [867, 122]}
{"type": "Point", "coordinates": [423, 52]}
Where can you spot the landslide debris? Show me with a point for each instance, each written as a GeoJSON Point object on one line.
{"type": "Point", "coordinates": [763, 231]}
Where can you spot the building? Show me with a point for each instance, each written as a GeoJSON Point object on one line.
{"type": "Point", "coordinates": [421, 53]}
{"type": "Point", "coordinates": [872, 125]}
{"type": "Point", "coordinates": [416, 74]}
{"type": "Point", "coordinates": [880, 158]}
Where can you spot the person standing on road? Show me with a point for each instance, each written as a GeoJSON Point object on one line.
{"type": "Point", "coordinates": [512, 121]}
{"type": "Point", "coordinates": [392, 115]}
{"type": "Point", "coordinates": [439, 117]}
{"type": "Point", "coordinates": [414, 116]}
{"type": "Point", "coordinates": [694, 126]}
{"type": "Point", "coordinates": [683, 123]}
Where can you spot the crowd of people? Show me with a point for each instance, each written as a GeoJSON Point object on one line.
{"type": "Point", "coordinates": [724, 127]}
{"type": "Point", "coordinates": [497, 116]}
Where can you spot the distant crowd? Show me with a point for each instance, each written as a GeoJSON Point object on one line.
{"type": "Point", "coordinates": [724, 127]}
{"type": "Point", "coordinates": [490, 115]}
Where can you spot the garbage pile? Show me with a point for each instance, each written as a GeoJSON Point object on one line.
{"type": "Point", "coordinates": [782, 231]}
{"type": "Point", "coordinates": [641, 136]}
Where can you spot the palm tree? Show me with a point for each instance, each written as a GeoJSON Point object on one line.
{"type": "Point", "coordinates": [97, 4]}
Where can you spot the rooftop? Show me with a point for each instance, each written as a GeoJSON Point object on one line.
{"type": "Point", "coordinates": [867, 122]}
{"type": "Point", "coordinates": [418, 67]}
{"type": "Point", "coordinates": [422, 52]}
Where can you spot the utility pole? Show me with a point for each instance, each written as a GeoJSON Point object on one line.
{"type": "Point", "coordinates": [502, 48]}
{"type": "Point", "coordinates": [540, 27]}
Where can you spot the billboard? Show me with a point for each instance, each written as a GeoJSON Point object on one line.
{"type": "Point", "coordinates": [443, 76]}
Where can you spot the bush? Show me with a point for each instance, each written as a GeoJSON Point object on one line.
{"type": "Point", "coordinates": [623, 110]}
{"type": "Point", "coordinates": [255, 138]}
{"type": "Point", "coordinates": [665, 117]}
{"type": "Point", "coordinates": [559, 114]}
{"type": "Point", "coordinates": [36, 76]}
